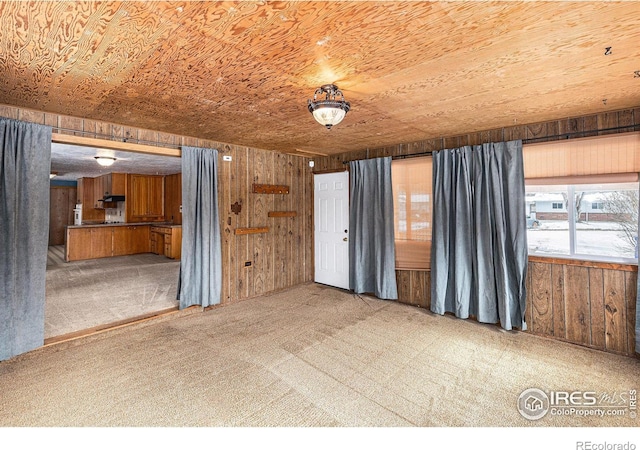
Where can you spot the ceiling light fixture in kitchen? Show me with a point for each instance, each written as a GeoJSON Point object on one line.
{"type": "Point", "coordinates": [332, 109]}
{"type": "Point", "coordinates": [105, 160]}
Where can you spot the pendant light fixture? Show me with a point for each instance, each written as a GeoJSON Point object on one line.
{"type": "Point", "coordinates": [331, 110]}
{"type": "Point", "coordinates": [105, 160]}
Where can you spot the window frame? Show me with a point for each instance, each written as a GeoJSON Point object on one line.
{"type": "Point", "coordinates": [571, 209]}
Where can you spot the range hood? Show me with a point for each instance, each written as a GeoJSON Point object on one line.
{"type": "Point", "coordinates": [113, 198]}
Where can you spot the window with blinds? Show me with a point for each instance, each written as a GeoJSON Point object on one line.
{"type": "Point", "coordinates": [598, 221]}
{"type": "Point", "coordinates": [582, 198]}
{"type": "Point", "coordinates": [411, 179]}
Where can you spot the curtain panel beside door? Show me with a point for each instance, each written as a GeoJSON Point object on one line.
{"type": "Point", "coordinates": [200, 280]}
{"type": "Point", "coordinates": [371, 237]}
{"type": "Point", "coordinates": [25, 164]}
{"type": "Point", "coordinates": [479, 244]}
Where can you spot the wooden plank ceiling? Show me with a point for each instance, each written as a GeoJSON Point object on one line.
{"type": "Point", "coordinates": [241, 72]}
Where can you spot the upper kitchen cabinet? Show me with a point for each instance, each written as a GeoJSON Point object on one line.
{"type": "Point", "coordinates": [98, 188]}
{"type": "Point", "coordinates": [145, 198]}
{"type": "Point", "coordinates": [109, 185]}
{"type": "Point", "coordinates": [83, 187]}
{"type": "Point", "coordinates": [98, 192]}
{"type": "Point", "coordinates": [87, 197]}
{"type": "Point", "coordinates": [114, 184]}
{"type": "Point", "coordinates": [173, 198]}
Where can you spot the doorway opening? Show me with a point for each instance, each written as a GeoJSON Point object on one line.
{"type": "Point", "coordinates": [125, 280]}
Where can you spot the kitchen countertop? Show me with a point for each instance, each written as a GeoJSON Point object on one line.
{"type": "Point", "coordinates": [122, 224]}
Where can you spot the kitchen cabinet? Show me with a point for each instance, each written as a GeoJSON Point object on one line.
{"type": "Point", "coordinates": [173, 198]}
{"type": "Point", "coordinates": [156, 241]}
{"type": "Point", "coordinates": [166, 241]}
{"type": "Point", "coordinates": [105, 241]}
{"type": "Point", "coordinates": [82, 189]}
{"type": "Point", "coordinates": [131, 240]}
{"type": "Point", "coordinates": [88, 243]}
{"type": "Point", "coordinates": [87, 197]}
{"type": "Point", "coordinates": [139, 239]}
{"type": "Point", "coordinates": [98, 192]}
{"type": "Point", "coordinates": [101, 242]}
{"type": "Point", "coordinates": [85, 192]}
{"type": "Point", "coordinates": [145, 199]}
{"type": "Point", "coordinates": [108, 184]}
{"type": "Point", "coordinates": [78, 244]}
{"type": "Point", "coordinates": [114, 184]}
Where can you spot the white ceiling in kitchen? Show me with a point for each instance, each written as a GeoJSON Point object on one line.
{"type": "Point", "coordinates": [71, 162]}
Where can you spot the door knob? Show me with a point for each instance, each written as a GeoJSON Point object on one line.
{"type": "Point", "coordinates": [344, 239]}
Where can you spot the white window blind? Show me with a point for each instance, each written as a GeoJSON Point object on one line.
{"type": "Point", "coordinates": [615, 153]}
{"type": "Point", "coordinates": [411, 180]}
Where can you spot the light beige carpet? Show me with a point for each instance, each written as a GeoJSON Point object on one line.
{"type": "Point", "coordinates": [90, 293]}
{"type": "Point", "coordinates": [307, 356]}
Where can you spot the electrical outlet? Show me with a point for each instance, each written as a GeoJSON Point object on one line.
{"type": "Point", "coordinates": [226, 157]}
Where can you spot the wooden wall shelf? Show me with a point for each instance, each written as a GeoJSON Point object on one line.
{"type": "Point", "coordinates": [283, 213]}
{"type": "Point", "coordinates": [257, 230]}
{"type": "Point", "coordinates": [270, 189]}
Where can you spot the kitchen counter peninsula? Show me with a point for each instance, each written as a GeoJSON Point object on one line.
{"type": "Point", "coordinates": [103, 240]}
{"type": "Point", "coordinates": [122, 224]}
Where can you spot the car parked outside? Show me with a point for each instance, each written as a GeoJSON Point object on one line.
{"type": "Point", "coordinates": [532, 223]}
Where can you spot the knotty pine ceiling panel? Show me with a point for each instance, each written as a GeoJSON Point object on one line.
{"type": "Point", "coordinates": [241, 72]}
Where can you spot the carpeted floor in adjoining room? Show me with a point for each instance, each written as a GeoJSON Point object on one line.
{"type": "Point", "coordinates": [308, 356]}
{"type": "Point", "coordinates": [81, 295]}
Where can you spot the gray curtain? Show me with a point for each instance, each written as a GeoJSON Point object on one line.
{"type": "Point", "coordinates": [25, 163]}
{"type": "Point", "coordinates": [201, 263]}
{"type": "Point", "coordinates": [479, 242]}
{"type": "Point", "coordinates": [371, 237]}
{"type": "Point", "coordinates": [638, 291]}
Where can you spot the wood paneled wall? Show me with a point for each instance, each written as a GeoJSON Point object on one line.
{"type": "Point", "coordinates": [590, 304]}
{"type": "Point", "coordinates": [62, 200]}
{"type": "Point", "coordinates": [283, 256]}
{"type": "Point", "coordinates": [414, 287]}
{"type": "Point", "coordinates": [608, 293]}
{"type": "Point", "coordinates": [587, 304]}
{"type": "Point", "coordinates": [280, 258]}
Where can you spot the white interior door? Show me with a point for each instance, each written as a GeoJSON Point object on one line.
{"type": "Point", "coordinates": [331, 212]}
